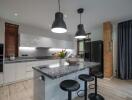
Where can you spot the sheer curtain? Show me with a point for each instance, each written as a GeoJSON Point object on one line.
{"type": "Point", "coordinates": [125, 50]}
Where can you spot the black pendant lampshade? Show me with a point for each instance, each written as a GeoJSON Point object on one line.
{"type": "Point", "coordinates": [59, 25]}
{"type": "Point", "coordinates": [80, 34]}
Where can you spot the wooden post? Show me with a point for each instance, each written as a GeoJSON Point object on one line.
{"type": "Point", "coordinates": [108, 50]}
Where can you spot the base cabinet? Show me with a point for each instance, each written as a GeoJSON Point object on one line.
{"type": "Point", "coordinates": [20, 71]}
{"type": "Point", "coordinates": [15, 72]}
{"type": "Point", "coordinates": [1, 79]}
{"type": "Point", "coordinates": [9, 73]}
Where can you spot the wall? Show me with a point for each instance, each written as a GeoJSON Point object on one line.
{"type": "Point", "coordinates": [31, 30]}
{"type": "Point", "coordinates": [114, 48]}
{"type": "Point", "coordinates": [2, 30]}
{"type": "Point", "coordinates": [1, 41]}
{"type": "Point", "coordinates": [97, 34]}
{"type": "Point", "coordinates": [26, 29]}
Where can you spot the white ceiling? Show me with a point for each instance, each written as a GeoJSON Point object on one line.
{"type": "Point", "coordinates": [40, 13]}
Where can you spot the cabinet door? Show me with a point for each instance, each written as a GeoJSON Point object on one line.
{"type": "Point", "coordinates": [20, 71]}
{"type": "Point", "coordinates": [9, 73]}
{"type": "Point", "coordinates": [11, 40]}
{"type": "Point", "coordinates": [1, 78]}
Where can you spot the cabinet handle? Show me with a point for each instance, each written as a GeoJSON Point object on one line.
{"type": "Point", "coordinates": [41, 78]}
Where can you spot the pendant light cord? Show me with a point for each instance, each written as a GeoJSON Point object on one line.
{"type": "Point", "coordinates": [80, 19]}
{"type": "Point", "coordinates": [59, 4]}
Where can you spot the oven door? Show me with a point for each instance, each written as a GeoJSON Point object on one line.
{"type": "Point", "coordinates": [1, 57]}
{"type": "Point", "coordinates": [1, 49]}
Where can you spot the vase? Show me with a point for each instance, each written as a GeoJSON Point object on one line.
{"type": "Point", "coordinates": [61, 62]}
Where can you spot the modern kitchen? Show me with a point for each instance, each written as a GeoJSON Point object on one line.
{"type": "Point", "coordinates": [65, 50]}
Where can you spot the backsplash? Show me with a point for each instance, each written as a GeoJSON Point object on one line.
{"type": "Point", "coordinates": [39, 51]}
{"type": "Point", "coordinates": [33, 52]}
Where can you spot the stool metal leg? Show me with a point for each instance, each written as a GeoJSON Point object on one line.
{"type": "Point", "coordinates": [95, 96]}
{"type": "Point", "coordinates": [85, 84]}
{"type": "Point", "coordinates": [69, 95]}
{"type": "Point", "coordinates": [96, 85]}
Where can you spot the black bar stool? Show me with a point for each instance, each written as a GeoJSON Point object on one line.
{"type": "Point", "coordinates": [86, 78]}
{"type": "Point", "coordinates": [70, 86]}
{"type": "Point", "coordinates": [96, 96]}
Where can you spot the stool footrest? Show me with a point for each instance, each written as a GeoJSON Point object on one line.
{"type": "Point", "coordinates": [79, 94]}
{"type": "Point", "coordinates": [93, 96]}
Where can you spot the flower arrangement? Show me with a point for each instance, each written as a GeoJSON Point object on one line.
{"type": "Point", "coordinates": [62, 54]}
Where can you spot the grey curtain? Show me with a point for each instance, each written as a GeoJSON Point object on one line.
{"type": "Point", "coordinates": [124, 70]}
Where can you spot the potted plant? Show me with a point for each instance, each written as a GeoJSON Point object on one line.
{"type": "Point", "coordinates": [62, 54]}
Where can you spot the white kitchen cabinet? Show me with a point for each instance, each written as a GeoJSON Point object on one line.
{"type": "Point", "coordinates": [29, 74]}
{"type": "Point", "coordinates": [27, 40]}
{"type": "Point", "coordinates": [9, 73]}
{"type": "Point", "coordinates": [14, 72]}
{"type": "Point", "coordinates": [20, 71]}
{"type": "Point", "coordinates": [1, 79]}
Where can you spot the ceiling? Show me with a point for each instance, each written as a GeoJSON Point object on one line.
{"type": "Point", "coordinates": [40, 13]}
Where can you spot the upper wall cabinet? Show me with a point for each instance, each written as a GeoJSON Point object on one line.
{"type": "Point", "coordinates": [28, 40]}
{"type": "Point", "coordinates": [11, 40]}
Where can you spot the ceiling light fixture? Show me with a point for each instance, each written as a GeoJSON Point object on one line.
{"type": "Point", "coordinates": [59, 25]}
{"type": "Point", "coordinates": [80, 34]}
{"type": "Point", "coordinates": [16, 14]}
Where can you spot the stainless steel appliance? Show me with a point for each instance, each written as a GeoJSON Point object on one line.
{"type": "Point", "coordinates": [1, 57]}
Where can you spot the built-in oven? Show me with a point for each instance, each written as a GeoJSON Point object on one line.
{"type": "Point", "coordinates": [1, 57]}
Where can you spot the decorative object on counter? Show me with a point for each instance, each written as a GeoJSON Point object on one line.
{"type": "Point", "coordinates": [80, 34]}
{"type": "Point", "coordinates": [72, 61]}
{"type": "Point", "coordinates": [62, 54]}
{"type": "Point", "coordinates": [12, 57]}
{"type": "Point", "coordinates": [59, 25]}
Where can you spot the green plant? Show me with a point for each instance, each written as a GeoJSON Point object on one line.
{"type": "Point", "coordinates": [62, 54]}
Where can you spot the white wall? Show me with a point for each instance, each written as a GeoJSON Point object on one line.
{"type": "Point", "coordinates": [114, 36]}
{"type": "Point", "coordinates": [96, 34]}
{"type": "Point", "coordinates": [2, 31]}
{"type": "Point", "coordinates": [1, 41]}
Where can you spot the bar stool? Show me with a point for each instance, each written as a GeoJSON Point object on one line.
{"type": "Point", "coordinates": [96, 96]}
{"type": "Point", "coordinates": [86, 78]}
{"type": "Point", "coordinates": [70, 86]}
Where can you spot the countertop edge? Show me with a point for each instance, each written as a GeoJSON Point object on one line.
{"type": "Point", "coordinates": [15, 61]}
{"type": "Point", "coordinates": [62, 74]}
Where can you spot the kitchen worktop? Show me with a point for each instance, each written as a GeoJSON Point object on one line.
{"type": "Point", "coordinates": [19, 60]}
{"type": "Point", "coordinates": [54, 71]}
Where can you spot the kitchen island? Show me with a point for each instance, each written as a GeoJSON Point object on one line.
{"type": "Point", "coordinates": [48, 77]}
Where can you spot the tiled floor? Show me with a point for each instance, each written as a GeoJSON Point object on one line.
{"type": "Point", "coordinates": [111, 89]}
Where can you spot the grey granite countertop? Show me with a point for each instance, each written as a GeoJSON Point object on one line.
{"type": "Point", "coordinates": [55, 70]}
{"type": "Point", "coordinates": [26, 60]}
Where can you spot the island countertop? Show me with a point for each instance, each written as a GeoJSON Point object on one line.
{"type": "Point", "coordinates": [54, 71]}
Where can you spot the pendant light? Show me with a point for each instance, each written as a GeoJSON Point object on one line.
{"type": "Point", "coordinates": [59, 25]}
{"type": "Point", "coordinates": [80, 34]}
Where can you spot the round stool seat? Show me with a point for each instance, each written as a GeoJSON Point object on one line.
{"type": "Point", "coordinates": [69, 85]}
{"type": "Point", "coordinates": [85, 77]}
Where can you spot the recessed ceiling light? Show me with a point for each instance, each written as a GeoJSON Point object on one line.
{"type": "Point", "coordinates": [16, 14]}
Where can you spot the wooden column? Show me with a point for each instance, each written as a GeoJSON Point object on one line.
{"type": "Point", "coordinates": [108, 51]}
